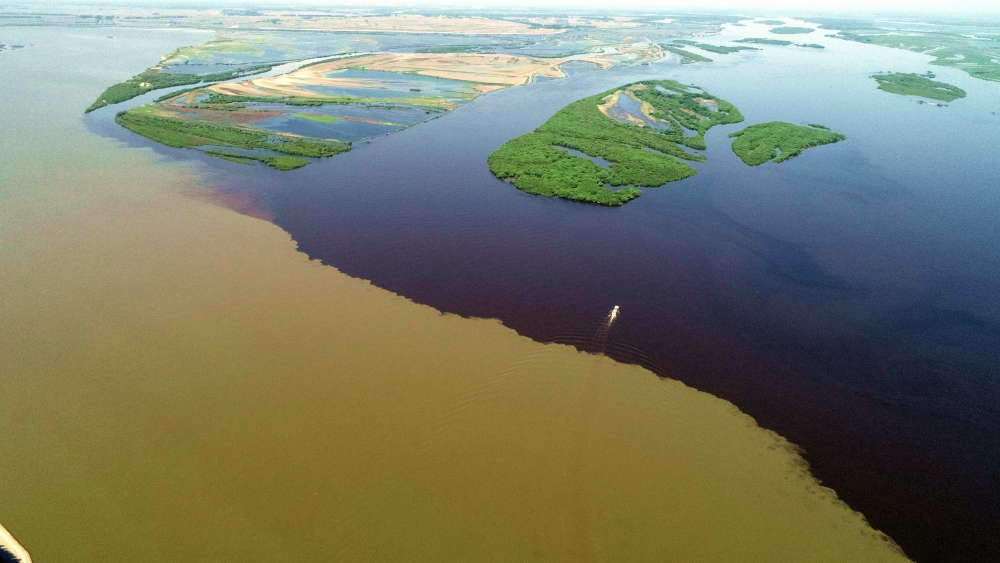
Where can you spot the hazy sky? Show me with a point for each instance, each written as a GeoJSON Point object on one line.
{"type": "Point", "coordinates": [789, 7]}
{"type": "Point", "coordinates": [792, 6]}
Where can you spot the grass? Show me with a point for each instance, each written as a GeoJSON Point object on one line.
{"type": "Point", "coordinates": [687, 57]}
{"type": "Point", "coordinates": [639, 156]}
{"type": "Point", "coordinates": [910, 84]}
{"type": "Point", "coordinates": [779, 141]}
{"type": "Point", "coordinates": [185, 133]}
{"type": "Point", "coordinates": [763, 41]}
{"type": "Point", "coordinates": [791, 30]}
{"type": "Point", "coordinates": [211, 48]}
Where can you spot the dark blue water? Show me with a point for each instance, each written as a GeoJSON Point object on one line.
{"type": "Point", "coordinates": [848, 298]}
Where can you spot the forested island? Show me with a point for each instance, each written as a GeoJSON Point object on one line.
{"type": "Point", "coordinates": [779, 141]}
{"type": "Point", "coordinates": [640, 129]}
{"type": "Point", "coordinates": [179, 133]}
{"type": "Point", "coordinates": [912, 84]}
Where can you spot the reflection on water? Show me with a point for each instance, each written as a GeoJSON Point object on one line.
{"type": "Point", "coordinates": [181, 385]}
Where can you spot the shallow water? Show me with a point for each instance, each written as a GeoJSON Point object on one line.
{"type": "Point", "coordinates": [846, 298]}
{"type": "Point", "coordinates": [180, 384]}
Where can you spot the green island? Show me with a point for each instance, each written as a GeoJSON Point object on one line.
{"type": "Point", "coordinates": [155, 79]}
{"type": "Point", "coordinates": [779, 141]}
{"type": "Point", "coordinates": [791, 30]}
{"type": "Point", "coordinates": [179, 133]}
{"type": "Point", "coordinates": [640, 129]}
{"type": "Point", "coordinates": [950, 43]}
{"type": "Point", "coordinates": [810, 45]}
{"type": "Point", "coordinates": [912, 84]}
{"type": "Point", "coordinates": [763, 41]}
{"type": "Point", "coordinates": [718, 49]}
{"type": "Point", "coordinates": [687, 57]}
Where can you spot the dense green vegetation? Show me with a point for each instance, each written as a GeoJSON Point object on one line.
{"type": "Point", "coordinates": [718, 49]}
{"type": "Point", "coordinates": [763, 41]}
{"type": "Point", "coordinates": [690, 113]}
{"type": "Point", "coordinates": [639, 156]}
{"type": "Point", "coordinates": [152, 79]}
{"type": "Point", "coordinates": [779, 141]}
{"type": "Point", "coordinates": [140, 84]}
{"type": "Point", "coordinates": [183, 133]}
{"type": "Point", "coordinates": [791, 30]}
{"type": "Point", "coordinates": [687, 57]}
{"type": "Point", "coordinates": [910, 84]}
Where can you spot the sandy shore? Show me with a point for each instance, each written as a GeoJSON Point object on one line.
{"type": "Point", "coordinates": [491, 71]}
